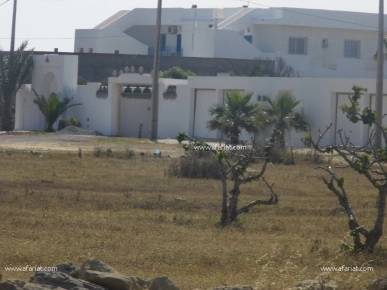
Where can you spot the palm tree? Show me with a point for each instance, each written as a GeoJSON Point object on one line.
{"type": "Point", "coordinates": [52, 108]}
{"type": "Point", "coordinates": [282, 115]}
{"type": "Point", "coordinates": [13, 74]}
{"type": "Point", "coordinates": [237, 114]}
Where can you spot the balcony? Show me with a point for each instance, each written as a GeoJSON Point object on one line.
{"type": "Point", "coordinates": [167, 51]}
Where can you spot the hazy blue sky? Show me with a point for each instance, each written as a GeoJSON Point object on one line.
{"type": "Point", "coordinates": [56, 20]}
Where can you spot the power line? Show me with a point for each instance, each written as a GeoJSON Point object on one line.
{"type": "Point", "coordinates": [4, 2]}
{"type": "Point", "coordinates": [312, 15]}
{"type": "Point", "coordinates": [188, 29]}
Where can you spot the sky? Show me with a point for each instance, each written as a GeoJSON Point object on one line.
{"type": "Point", "coordinates": [49, 24]}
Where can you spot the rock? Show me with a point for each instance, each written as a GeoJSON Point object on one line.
{"type": "Point", "coordinates": [31, 286]}
{"type": "Point", "coordinates": [162, 283]}
{"type": "Point", "coordinates": [378, 284]}
{"type": "Point", "coordinates": [180, 199]}
{"type": "Point", "coordinates": [59, 279]}
{"type": "Point", "coordinates": [72, 130]}
{"type": "Point", "coordinates": [317, 285]}
{"type": "Point", "coordinates": [69, 269]}
{"type": "Point", "coordinates": [235, 287]}
{"type": "Point", "coordinates": [97, 272]}
{"type": "Point", "coordinates": [12, 285]}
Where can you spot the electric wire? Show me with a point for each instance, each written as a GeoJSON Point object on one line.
{"type": "Point", "coordinates": [4, 2]}
{"type": "Point", "coordinates": [195, 29]}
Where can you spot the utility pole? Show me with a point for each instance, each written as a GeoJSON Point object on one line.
{"type": "Point", "coordinates": [155, 82]}
{"type": "Point", "coordinates": [379, 75]}
{"type": "Point", "coordinates": [13, 30]}
{"type": "Point", "coordinates": [193, 26]}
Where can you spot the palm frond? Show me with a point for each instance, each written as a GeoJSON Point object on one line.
{"type": "Point", "coordinates": [52, 108]}
{"type": "Point", "coordinates": [281, 114]}
{"type": "Point", "coordinates": [14, 72]}
{"type": "Point", "coordinates": [236, 115]}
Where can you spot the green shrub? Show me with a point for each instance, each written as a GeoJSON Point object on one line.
{"type": "Point", "coordinates": [74, 122]}
{"type": "Point", "coordinates": [177, 73]}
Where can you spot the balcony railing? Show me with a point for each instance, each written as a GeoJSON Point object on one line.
{"type": "Point", "coordinates": [167, 51]}
{"type": "Point", "coordinates": [136, 91]}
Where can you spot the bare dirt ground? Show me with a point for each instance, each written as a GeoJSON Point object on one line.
{"type": "Point", "coordinates": [60, 142]}
{"type": "Point", "coordinates": [27, 141]}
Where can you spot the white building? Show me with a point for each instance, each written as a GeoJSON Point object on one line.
{"type": "Point", "coordinates": [120, 108]}
{"type": "Point", "coordinates": [317, 43]}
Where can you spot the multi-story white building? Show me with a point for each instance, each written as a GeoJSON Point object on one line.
{"type": "Point", "coordinates": [317, 43]}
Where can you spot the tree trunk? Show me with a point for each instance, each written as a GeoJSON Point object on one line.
{"type": "Point", "coordinates": [224, 216]}
{"type": "Point", "coordinates": [374, 235]}
{"type": "Point", "coordinates": [281, 139]}
{"type": "Point", "coordinates": [234, 135]}
{"type": "Point", "coordinates": [6, 119]}
{"type": "Point", "coordinates": [232, 206]}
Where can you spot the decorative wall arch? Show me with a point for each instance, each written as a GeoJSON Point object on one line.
{"type": "Point", "coordinates": [49, 85]}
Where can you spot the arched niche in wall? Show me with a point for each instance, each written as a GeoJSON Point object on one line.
{"type": "Point", "coordinates": [49, 85]}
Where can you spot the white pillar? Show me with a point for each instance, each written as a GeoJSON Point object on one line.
{"type": "Point", "coordinates": [114, 98]}
{"type": "Point", "coordinates": [19, 108]}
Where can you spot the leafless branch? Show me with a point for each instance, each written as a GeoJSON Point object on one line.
{"type": "Point", "coordinates": [273, 200]}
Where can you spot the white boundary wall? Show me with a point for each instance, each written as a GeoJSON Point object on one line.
{"type": "Point", "coordinates": [320, 99]}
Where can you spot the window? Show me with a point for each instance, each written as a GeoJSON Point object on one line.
{"type": "Point", "coordinates": [297, 45]}
{"type": "Point", "coordinates": [163, 42]}
{"type": "Point", "coordinates": [352, 48]}
{"type": "Point", "coordinates": [249, 38]}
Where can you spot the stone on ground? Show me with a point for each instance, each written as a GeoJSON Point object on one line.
{"type": "Point", "coordinates": [97, 272]}
{"type": "Point", "coordinates": [162, 283]}
{"type": "Point", "coordinates": [12, 285]}
{"type": "Point", "coordinates": [316, 285]}
{"type": "Point", "coordinates": [378, 284]}
{"type": "Point", "coordinates": [59, 279]}
{"type": "Point", "coordinates": [234, 287]}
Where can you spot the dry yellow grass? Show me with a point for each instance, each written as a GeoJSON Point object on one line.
{"type": "Point", "coordinates": [59, 208]}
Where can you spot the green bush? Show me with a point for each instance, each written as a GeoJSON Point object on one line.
{"type": "Point", "coordinates": [177, 73]}
{"type": "Point", "coordinates": [74, 122]}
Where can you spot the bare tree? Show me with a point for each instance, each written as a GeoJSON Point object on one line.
{"type": "Point", "coordinates": [368, 161]}
{"type": "Point", "coordinates": [281, 69]}
{"type": "Point", "coordinates": [234, 164]}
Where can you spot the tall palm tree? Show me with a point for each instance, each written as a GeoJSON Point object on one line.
{"type": "Point", "coordinates": [13, 74]}
{"type": "Point", "coordinates": [237, 114]}
{"type": "Point", "coordinates": [52, 108]}
{"type": "Point", "coordinates": [281, 114]}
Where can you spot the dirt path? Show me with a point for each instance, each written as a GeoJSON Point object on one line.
{"type": "Point", "coordinates": [66, 143]}
{"type": "Point", "coordinates": [46, 142]}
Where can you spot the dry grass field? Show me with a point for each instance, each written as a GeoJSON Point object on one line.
{"type": "Point", "coordinates": [59, 208]}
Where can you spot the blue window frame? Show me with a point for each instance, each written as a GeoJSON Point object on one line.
{"type": "Point", "coordinates": [249, 38]}
{"type": "Point", "coordinates": [163, 42]}
{"type": "Point", "coordinates": [178, 44]}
